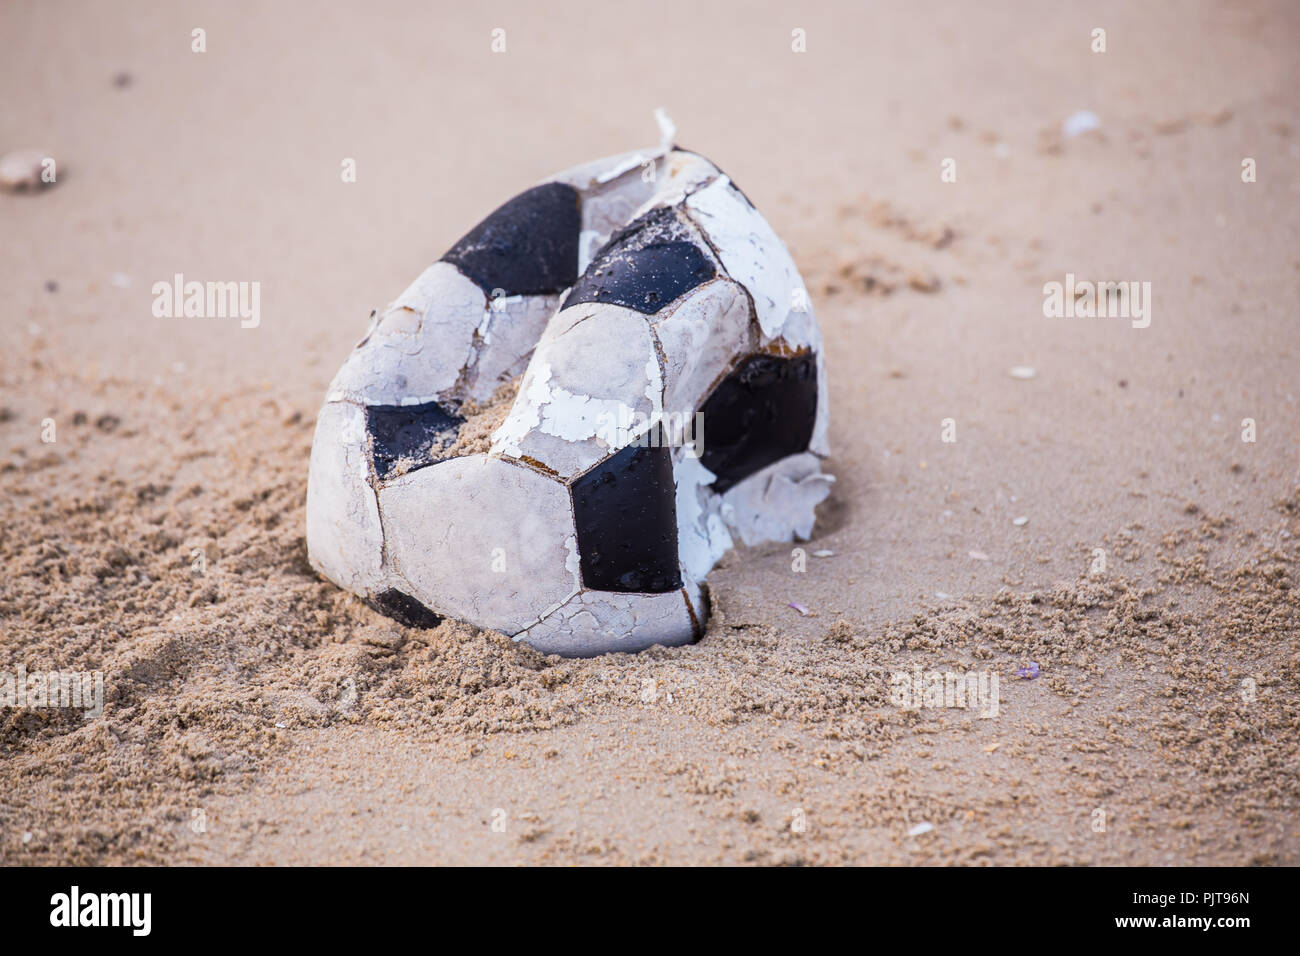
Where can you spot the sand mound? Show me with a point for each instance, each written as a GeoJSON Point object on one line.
{"type": "Point", "coordinates": [187, 586]}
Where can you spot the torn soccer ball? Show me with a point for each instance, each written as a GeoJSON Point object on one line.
{"type": "Point", "coordinates": [671, 398]}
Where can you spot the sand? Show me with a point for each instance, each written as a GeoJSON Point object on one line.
{"type": "Point", "coordinates": [254, 713]}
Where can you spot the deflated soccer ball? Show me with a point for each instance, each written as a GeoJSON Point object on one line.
{"type": "Point", "coordinates": [671, 395]}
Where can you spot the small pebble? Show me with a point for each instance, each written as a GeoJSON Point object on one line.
{"type": "Point", "coordinates": [21, 170]}
{"type": "Point", "coordinates": [1022, 371]}
{"type": "Point", "coordinates": [1022, 520]}
{"type": "Point", "coordinates": [1080, 121]}
{"type": "Point", "coordinates": [923, 282]}
{"type": "Point", "coordinates": [920, 828]}
{"type": "Point", "coordinates": [823, 554]}
{"type": "Point", "coordinates": [979, 555]}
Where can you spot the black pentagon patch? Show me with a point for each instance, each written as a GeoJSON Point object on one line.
{"type": "Point", "coordinates": [625, 510]}
{"type": "Point", "coordinates": [409, 434]}
{"type": "Point", "coordinates": [529, 246]}
{"type": "Point", "coordinates": [403, 609]}
{"type": "Point", "coordinates": [645, 266]}
{"type": "Point", "coordinates": [759, 414]}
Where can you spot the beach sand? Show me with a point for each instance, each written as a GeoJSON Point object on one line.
{"type": "Point", "coordinates": [255, 713]}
